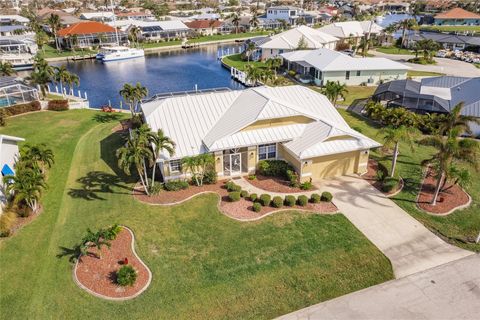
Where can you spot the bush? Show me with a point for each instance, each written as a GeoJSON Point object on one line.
{"type": "Point", "coordinates": [291, 73]}
{"type": "Point", "coordinates": [136, 121]}
{"type": "Point", "coordinates": [290, 200]}
{"type": "Point", "coordinates": [23, 211]}
{"type": "Point", "coordinates": [302, 200]}
{"type": "Point", "coordinates": [3, 117]}
{"type": "Point", "coordinates": [257, 207]}
{"type": "Point", "coordinates": [326, 196]}
{"type": "Point", "coordinates": [126, 276]}
{"type": "Point", "coordinates": [389, 184]}
{"type": "Point", "coordinates": [253, 196]}
{"type": "Point", "coordinates": [252, 177]}
{"type": "Point", "coordinates": [210, 176]}
{"type": "Point", "coordinates": [244, 194]}
{"type": "Point", "coordinates": [175, 185]}
{"type": "Point", "coordinates": [274, 168]}
{"type": "Point", "coordinates": [315, 198]}
{"type": "Point", "coordinates": [234, 196]}
{"type": "Point", "coordinates": [277, 202]}
{"type": "Point", "coordinates": [231, 186]}
{"type": "Point", "coordinates": [265, 200]}
{"type": "Point", "coordinates": [292, 176]}
{"type": "Point", "coordinates": [22, 108]}
{"type": "Point", "coordinates": [57, 105]}
{"type": "Point", "coordinates": [307, 185]}
{"type": "Point", "coordinates": [7, 219]}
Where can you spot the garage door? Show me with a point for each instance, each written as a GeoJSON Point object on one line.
{"type": "Point", "coordinates": [332, 166]}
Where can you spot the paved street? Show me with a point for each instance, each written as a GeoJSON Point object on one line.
{"type": "Point", "coordinates": [406, 242]}
{"type": "Point", "coordinates": [450, 291]}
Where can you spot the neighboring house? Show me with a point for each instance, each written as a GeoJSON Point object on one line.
{"type": "Point", "coordinates": [142, 16]}
{"type": "Point", "coordinates": [9, 30]}
{"type": "Point", "coordinates": [66, 19]}
{"type": "Point", "coordinates": [13, 91]}
{"type": "Point", "coordinates": [324, 65]}
{"type": "Point", "coordinates": [8, 156]}
{"type": "Point", "coordinates": [101, 16]}
{"type": "Point", "coordinates": [434, 95]}
{"type": "Point", "coordinates": [205, 27]}
{"type": "Point", "coordinates": [291, 39]}
{"type": "Point", "coordinates": [288, 13]}
{"type": "Point", "coordinates": [457, 17]}
{"type": "Point", "coordinates": [13, 19]}
{"type": "Point", "coordinates": [448, 41]}
{"type": "Point", "coordinates": [240, 128]}
{"type": "Point", "coordinates": [352, 30]}
{"type": "Point", "coordinates": [89, 34]}
{"type": "Point", "coordinates": [16, 44]}
{"type": "Point", "coordinates": [154, 30]}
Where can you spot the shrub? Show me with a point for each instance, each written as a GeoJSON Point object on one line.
{"type": "Point", "coordinates": [22, 211]}
{"type": "Point", "coordinates": [234, 196]}
{"type": "Point", "coordinates": [292, 176]}
{"type": "Point", "coordinates": [253, 196]}
{"type": "Point", "coordinates": [277, 202]}
{"type": "Point", "coordinates": [291, 73]}
{"type": "Point", "coordinates": [265, 200]}
{"type": "Point", "coordinates": [3, 117]}
{"type": "Point", "coordinates": [252, 177]}
{"type": "Point", "coordinates": [7, 219]}
{"type": "Point", "coordinates": [231, 186]}
{"type": "Point", "coordinates": [210, 176]}
{"type": "Point", "coordinates": [257, 207]}
{"type": "Point", "coordinates": [175, 185]}
{"type": "Point", "coordinates": [290, 200]}
{"type": "Point", "coordinates": [315, 198]}
{"type": "Point", "coordinates": [326, 196]}
{"type": "Point", "coordinates": [274, 168]}
{"type": "Point", "coordinates": [57, 105]}
{"type": "Point", "coordinates": [244, 194]}
{"type": "Point", "coordinates": [126, 276]}
{"type": "Point", "coordinates": [136, 121]}
{"type": "Point", "coordinates": [389, 184]}
{"type": "Point", "coordinates": [302, 200]}
{"type": "Point", "coordinates": [380, 175]}
{"type": "Point", "coordinates": [111, 233]}
{"type": "Point", "coordinates": [22, 108]}
{"type": "Point", "coordinates": [307, 185]}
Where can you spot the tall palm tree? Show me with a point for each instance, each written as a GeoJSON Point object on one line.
{"type": "Point", "coordinates": [335, 90]}
{"type": "Point", "coordinates": [393, 136]}
{"type": "Point", "coordinates": [253, 73]}
{"type": "Point", "coordinates": [133, 34]}
{"type": "Point", "coordinates": [133, 95]}
{"type": "Point", "coordinates": [26, 185]}
{"type": "Point", "coordinates": [61, 76]}
{"type": "Point", "coordinates": [160, 142]}
{"type": "Point", "coordinates": [6, 69]}
{"type": "Point", "coordinates": [54, 23]}
{"type": "Point", "coordinates": [235, 20]}
{"type": "Point", "coordinates": [273, 64]}
{"type": "Point", "coordinates": [41, 38]}
{"type": "Point", "coordinates": [42, 74]}
{"type": "Point", "coordinates": [254, 22]}
{"type": "Point", "coordinates": [406, 25]}
{"type": "Point", "coordinates": [458, 122]}
{"type": "Point", "coordinates": [428, 47]}
{"type": "Point", "coordinates": [72, 80]}
{"type": "Point", "coordinates": [37, 156]}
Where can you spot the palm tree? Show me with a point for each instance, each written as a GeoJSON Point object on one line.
{"type": "Point", "coordinates": [235, 20]}
{"type": "Point", "coordinates": [61, 76]}
{"type": "Point", "coordinates": [450, 151]}
{"type": "Point", "coordinates": [133, 34]}
{"type": "Point", "coordinates": [198, 165]}
{"type": "Point", "coordinates": [41, 38]}
{"type": "Point", "coordinates": [54, 23]}
{"type": "Point", "coordinates": [274, 64]}
{"type": "Point", "coordinates": [133, 95]}
{"type": "Point", "coordinates": [428, 47]}
{"type": "Point", "coordinates": [27, 185]}
{"type": "Point", "coordinates": [405, 25]}
{"type": "Point", "coordinates": [458, 122]}
{"type": "Point", "coordinates": [253, 73]}
{"type": "Point", "coordinates": [392, 137]}
{"type": "Point", "coordinates": [37, 156]}
{"type": "Point", "coordinates": [254, 22]}
{"type": "Point", "coordinates": [160, 142]}
{"type": "Point", "coordinates": [42, 74]}
{"type": "Point", "coordinates": [72, 80]}
{"type": "Point", "coordinates": [334, 90]}
{"type": "Point", "coordinates": [249, 49]}
{"type": "Point", "coordinates": [6, 69]}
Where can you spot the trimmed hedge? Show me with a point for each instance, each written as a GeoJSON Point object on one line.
{"type": "Point", "coordinates": [302, 200]}
{"type": "Point", "coordinates": [57, 105]}
{"type": "Point", "coordinates": [22, 108]}
{"type": "Point", "coordinates": [326, 196]}
{"type": "Point", "coordinates": [175, 185]}
{"type": "Point", "coordinates": [315, 198]}
{"type": "Point", "coordinates": [265, 200]}
{"type": "Point", "coordinates": [234, 196]}
{"type": "Point", "coordinates": [290, 200]}
{"type": "Point", "coordinates": [253, 197]}
{"type": "Point", "coordinates": [231, 186]}
{"type": "Point", "coordinates": [257, 207]}
{"type": "Point", "coordinates": [274, 168]}
{"type": "Point", "coordinates": [244, 194]}
{"type": "Point", "coordinates": [277, 202]}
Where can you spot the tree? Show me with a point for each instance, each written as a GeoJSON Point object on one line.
{"type": "Point", "coordinates": [254, 22]}
{"type": "Point", "coordinates": [27, 185]}
{"type": "Point", "coordinates": [253, 73]}
{"type": "Point", "coordinates": [455, 121]}
{"type": "Point", "coordinates": [334, 90]}
{"type": "Point", "coordinates": [302, 44]}
{"type": "Point", "coordinates": [133, 95]}
{"type": "Point", "coordinates": [198, 165]}
{"type": "Point", "coordinates": [133, 34]}
{"type": "Point", "coordinates": [249, 49]}
{"type": "Point", "coordinates": [6, 69]}
{"type": "Point", "coordinates": [41, 38]}
{"type": "Point", "coordinates": [42, 74]}
{"type": "Point", "coordinates": [160, 142]}
{"type": "Point", "coordinates": [54, 23]}
{"type": "Point", "coordinates": [450, 151]}
{"type": "Point", "coordinates": [61, 76]}
{"type": "Point", "coordinates": [428, 48]}
{"type": "Point", "coordinates": [273, 64]}
{"type": "Point", "coordinates": [393, 136]}
{"type": "Point", "coordinates": [405, 25]}
{"type": "Point", "coordinates": [37, 156]}
{"type": "Point", "coordinates": [235, 20]}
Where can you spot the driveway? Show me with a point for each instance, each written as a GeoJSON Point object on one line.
{"type": "Point", "coordinates": [451, 291]}
{"type": "Point", "coordinates": [406, 242]}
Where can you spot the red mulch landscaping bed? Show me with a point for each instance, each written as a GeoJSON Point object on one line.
{"type": "Point", "coordinates": [450, 198]}
{"type": "Point", "coordinates": [241, 210]}
{"type": "Point", "coordinates": [371, 177]}
{"type": "Point", "coordinates": [274, 184]}
{"type": "Point", "coordinates": [98, 275]}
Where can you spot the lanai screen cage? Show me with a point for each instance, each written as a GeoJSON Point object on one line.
{"type": "Point", "coordinates": [14, 92]}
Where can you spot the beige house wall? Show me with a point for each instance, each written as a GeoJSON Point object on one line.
{"type": "Point", "coordinates": [364, 77]}
{"type": "Point", "coordinates": [252, 159]}
{"type": "Point", "coordinates": [278, 122]}
{"type": "Point", "coordinates": [283, 154]}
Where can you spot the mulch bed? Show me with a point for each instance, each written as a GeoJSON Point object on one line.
{"type": "Point", "coordinates": [98, 275]}
{"type": "Point", "coordinates": [241, 210]}
{"type": "Point", "coordinates": [371, 177]}
{"type": "Point", "coordinates": [274, 184]}
{"type": "Point", "coordinates": [450, 198]}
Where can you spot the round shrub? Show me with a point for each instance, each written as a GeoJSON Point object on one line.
{"type": "Point", "coordinates": [244, 194]}
{"type": "Point", "coordinates": [277, 202]}
{"type": "Point", "coordinates": [315, 198]}
{"type": "Point", "coordinates": [389, 184]}
{"type": "Point", "coordinates": [257, 207]}
{"type": "Point", "coordinates": [126, 276]}
{"type": "Point", "coordinates": [234, 196]}
{"type": "Point", "coordinates": [326, 196]}
{"type": "Point", "coordinates": [302, 200]}
{"type": "Point", "coordinates": [265, 200]}
{"type": "Point", "coordinates": [290, 200]}
{"type": "Point", "coordinates": [210, 177]}
{"type": "Point", "coordinates": [253, 197]}
{"type": "Point", "coordinates": [231, 186]}
{"type": "Point", "coordinates": [175, 185]}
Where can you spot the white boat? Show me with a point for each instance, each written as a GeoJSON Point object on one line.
{"type": "Point", "coordinates": [19, 61]}
{"type": "Point", "coordinates": [119, 53]}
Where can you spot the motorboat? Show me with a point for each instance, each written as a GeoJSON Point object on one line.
{"type": "Point", "coordinates": [119, 53]}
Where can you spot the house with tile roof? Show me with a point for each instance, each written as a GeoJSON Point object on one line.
{"type": "Point", "coordinates": [240, 128]}
{"type": "Point", "coordinates": [205, 27]}
{"type": "Point", "coordinates": [89, 34]}
{"type": "Point", "coordinates": [457, 17]}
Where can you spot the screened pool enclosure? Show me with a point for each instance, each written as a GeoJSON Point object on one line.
{"type": "Point", "coordinates": [13, 91]}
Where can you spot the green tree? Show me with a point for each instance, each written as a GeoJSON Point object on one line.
{"type": "Point", "coordinates": [37, 156]}
{"type": "Point", "coordinates": [41, 38]}
{"type": "Point", "coordinates": [42, 74]}
{"type": "Point", "coordinates": [405, 25]}
{"type": "Point", "coordinates": [6, 69]}
{"type": "Point", "coordinates": [302, 44]}
{"type": "Point", "coordinates": [334, 90]}
{"type": "Point", "coordinates": [393, 136]}
{"type": "Point", "coordinates": [455, 121]}
{"type": "Point", "coordinates": [236, 20]}
{"type": "Point", "coordinates": [160, 142]}
{"type": "Point", "coordinates": [254, 22]}
{"type": "Point", "coordinates": [133, 33]}
{"type": "Point", "coordinates": [26, 185]}
{"type": "Point", "coordinates": [54, 23]}
{"type": "Point", "coordinates": [61, 76]}
{"type": "Point", "coordinates": [133, 95]}
{"type": "Point", "coordinates": [197, 166]}
{"type": "Point", "coordinates": [427, 47]}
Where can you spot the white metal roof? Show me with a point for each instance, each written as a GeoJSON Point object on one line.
{"type": "Point", "coordinates": [96, 15]}
{"type": "Point", "coordinates": [165, 25]}
{"type": "Point", "coordinates": [329, 60]}
{"type": "Point", "coordinates": [13, 17]}
{"type": "Point", "coordinates": [206, 122]}
{"type": "Point", "coordinates": [351, 28]}
{"type": "Point", "coordinates": [289, 39]}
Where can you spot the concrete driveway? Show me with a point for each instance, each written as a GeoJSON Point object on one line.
{"type": "Point", "coordinates": [406, 242]}
{"type": "Point", "coordinates": [451, 291]}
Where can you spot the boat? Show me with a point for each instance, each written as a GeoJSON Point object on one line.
{"type": "Point", "coordinates": [119, 53]}
{"type": "Point", "coordinates": [19, 61]}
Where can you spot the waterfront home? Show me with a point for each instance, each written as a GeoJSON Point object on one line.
{"type": "Point", "coordinates": [322, 65]}
{"type": "Point", "coordinates": [457, 17]}
{"type": "Point", "coordinates": [66, 19]}
{"type": "Point", "coordinates": [10, 30]}
{"type": "Point", "coordinates": [155, 30]}
{"type": "Point", "coordinates": [89, 34]}
{"type": "Point", "coordinates": [17, 44]}
{"type": "Point", "coordinates": [101, 16]}
{"type": "Point", "coordinates": [132, 15]}
{"type": "Point", "coordinates": [434, 95]}
{"type": "Point", "coordinates": [287, 13]}
{"type": "Point", "coordinates": [8, 156]}
{"type": "Point", "coordinates": [205, 27]}
{"type": "Point", "coordinates": [352, 30]}
{"type": "Point", "coordinates": [240, 128]}
{"type": "Point", "coordinates": [292, 39]}
{"type": "Point", "coordinates": [14, 91]}
{"type": "Point", "coordinates": [448, 41]}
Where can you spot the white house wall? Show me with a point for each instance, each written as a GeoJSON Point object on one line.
{"type": "Point", "coordinates": [365, 76]}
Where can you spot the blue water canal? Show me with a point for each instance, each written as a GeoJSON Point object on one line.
{"type": "Point", "coordinates": [159, 72]}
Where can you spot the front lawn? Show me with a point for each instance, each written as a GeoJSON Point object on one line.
{"type": "Point", "coordinates": [417, 73]}
{"type": "Point", "coordinates": [394, 50]}
{"type": "Point", "coordinates": [204, 264]}
{"type": "Point", "coordinates": [470, 29]}
{"type": "Point", "coordinates": [51, 52]}
{"type": "Point", "coordinates": [354, 93]}
{"type": "Point", "coordinates": [456, 227]}
{"type": "Point", "coordinates": [235, 61]}
{"type": "Point", "coordinates": [229, 36]}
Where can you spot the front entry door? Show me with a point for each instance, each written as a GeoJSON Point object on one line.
{"type": "Point", "coordinates": [235, 164]}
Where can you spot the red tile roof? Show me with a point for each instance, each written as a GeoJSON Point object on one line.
{"type": "Point", "coordinates": [457, 13]}
{"type": "Point", "coordinates": [87, 27]}
{"type": "Point", "coordinates": [204, 24]}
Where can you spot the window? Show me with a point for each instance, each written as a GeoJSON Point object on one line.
{"type": "Point", "coordinates": [347, 75]}
{"type": "Point", "coordinates": [267, 151]}
{"type": "Point", "coordinates": [358, 73]}
{"type": "Point", "coordinates": [175, 165]}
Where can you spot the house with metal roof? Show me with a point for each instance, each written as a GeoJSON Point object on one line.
{"type": "Point", "coordinates": [155, 30]}
{"type": "Point", "coordinates": [457, 17]}
{"type": "Point", "coordinates": [448, 41]}
{"type": "Point", "coordinates": [8, 156]}
{"type": "Point", "coordinates": [290, 40]}
{"type": "Point", "coordinates": [322, 65]}
{"type": "Point", "coordinates": [351, 29]}
{"type": "Point", "coordinates": [240, 128]}
{"type": "Point", "coordinates": [434, 95]}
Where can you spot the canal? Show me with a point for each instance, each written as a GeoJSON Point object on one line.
{"type": "Point", "coordinates": [160, 72]}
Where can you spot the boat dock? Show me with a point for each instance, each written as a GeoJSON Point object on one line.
{"type": "Point", "coordinates": [82, 57]}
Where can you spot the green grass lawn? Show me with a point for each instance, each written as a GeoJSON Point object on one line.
{"type": "Point", "coordinates": [205, 265]}
{"type": "Point", "coordinates": [394, 50]}
{"type": "Point", "coordinates": [217, 37]}
{"type": "Point", "coordinates": [457, 226]}
{"type": "Point", "coordinates": [475, 29]}
{"type": "Point", "coordinates": [235, 60]}
{"type": "Point", "coordinates": [51, 52]}
{"type": "Point", "coordinates": [416, 73]}
{"type": "Point", "coordinates": [354, 93]}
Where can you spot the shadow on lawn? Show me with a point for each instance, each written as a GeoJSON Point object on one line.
{"type": "Point", "coordinates": [105, 117]}
{"type": "Point", "coordinates": [71, 253]}
{"type": "Point", "coordinates": [98, 182]}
